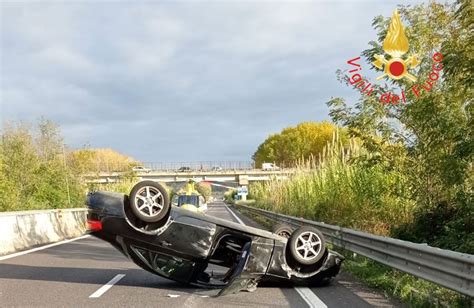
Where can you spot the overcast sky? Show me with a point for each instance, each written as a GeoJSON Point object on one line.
{"type": "Point", "coordinates": [186, 81]}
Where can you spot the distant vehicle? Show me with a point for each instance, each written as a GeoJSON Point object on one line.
{"type": "Point", "coordinates": [141, 169]}
{"type": "Point", "coordinates": [190, 199]}
{"type": "Point", "coordinates": [197, 202]}
{"type": "Point", "coordinates": [185, 169]}
{"type": "Point", "coordinates": [217, 169]}
{"type": "Point", "coordinates": [270, 167]}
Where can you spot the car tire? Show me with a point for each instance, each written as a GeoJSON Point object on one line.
{"type": "Point", "coordinates": [149, 201]}
{"type": "Point", "coordinates": [307, 245]}
{"type": "Point", "coordinates": [283, 230]}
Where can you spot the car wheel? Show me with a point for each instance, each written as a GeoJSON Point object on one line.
{"type": "Point", "coordinates": [283, 230]}
{"type": "Point", "coordinates": [149, 201]}
{"type": "Point", "coordinates": [307, 245]}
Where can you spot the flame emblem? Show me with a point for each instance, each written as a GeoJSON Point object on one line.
{"type": "Point", "coordinates": [396, 45]}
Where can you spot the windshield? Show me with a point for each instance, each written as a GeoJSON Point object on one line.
{"type": "Point", "coordinates": [188, 199]}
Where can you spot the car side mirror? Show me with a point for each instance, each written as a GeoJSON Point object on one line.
{"type": "Point", "coordinates": [174, 200]}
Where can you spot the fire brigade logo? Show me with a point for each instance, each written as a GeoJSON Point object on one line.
{"type": "Point", "coordinates": [396, 45]}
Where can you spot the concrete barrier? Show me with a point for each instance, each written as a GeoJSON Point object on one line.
{"type": "Point", "coordinates": [26, 229]}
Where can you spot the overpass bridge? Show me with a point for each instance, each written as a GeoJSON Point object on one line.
{"type": "Point", "coordinates": [241, 177]}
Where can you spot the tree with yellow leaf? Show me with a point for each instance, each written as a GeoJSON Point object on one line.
{"type": "Point", "coordinates": [297, 143]}
{"type": "Point", "coordinates": [100, 160]}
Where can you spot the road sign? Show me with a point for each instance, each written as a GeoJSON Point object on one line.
{"type": "Point", "coordinates": [243, 190]}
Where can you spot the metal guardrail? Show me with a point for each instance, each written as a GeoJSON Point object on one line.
{"type": "Point", "coordinates": [173, 166]}
{"type": "Point", "coordinates": [446, 268]}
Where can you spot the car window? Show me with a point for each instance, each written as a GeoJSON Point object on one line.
{"type": "Point", "coordinates": [187, 199]}
{"type": "Point", "coordinates": [167, 266]}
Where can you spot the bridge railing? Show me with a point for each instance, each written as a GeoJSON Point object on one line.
{"type": "Point", "coordinates": [200, 165]}
{"type": "Point", "coordinates": [446, 268]}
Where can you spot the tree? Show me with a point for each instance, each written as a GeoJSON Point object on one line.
{"type": "Point", "coordinates": [204, 189]}
{"type": "Point", "coordinates": [33, 173]}
{"type": "Point", "coordinates": [433, 133]}
{"type": "Point", "coordinates": [100, 160]}
{"type": "Point", "coordinates": [293, 144]}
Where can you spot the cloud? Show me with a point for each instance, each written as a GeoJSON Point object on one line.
{"type": "Point", "coordinates": [178, 81]}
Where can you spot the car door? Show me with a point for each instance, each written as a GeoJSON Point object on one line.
{"type": "Point", "coordinates": [188, 235]}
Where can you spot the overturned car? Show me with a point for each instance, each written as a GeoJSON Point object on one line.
{"type": "Point", "coordinates": [198, 249]}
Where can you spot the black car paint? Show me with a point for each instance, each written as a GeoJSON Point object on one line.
{"type": "Point", "coordinates": [196, 237]}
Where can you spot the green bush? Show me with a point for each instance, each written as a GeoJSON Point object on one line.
{"type": "Point", "coordinates": [340, 189]}
{"type": "Point", "coordinates": [229, 195]}
{"type": "Point", "coordinates": [33, 169]}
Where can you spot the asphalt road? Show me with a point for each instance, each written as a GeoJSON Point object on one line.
{"type": "Point", "coordinates": [89, 272]}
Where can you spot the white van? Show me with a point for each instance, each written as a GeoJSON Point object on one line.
{"type": "Point", "coordinates": [270, 167]}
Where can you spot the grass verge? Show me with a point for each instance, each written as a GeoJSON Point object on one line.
{"type": "Point", "coordinates": [413, 291]}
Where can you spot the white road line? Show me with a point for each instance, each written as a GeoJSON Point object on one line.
{"type": "Point", "coordinates": [306, 294]}
{"type": "Point", "coordinates": [107, 286]}
{"type": "Point", "coordinates": [310, 298]}
{"type": "Point", "coordinates": [233, 214]}
{"type": "Point", "coordinates": [17, 254]}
